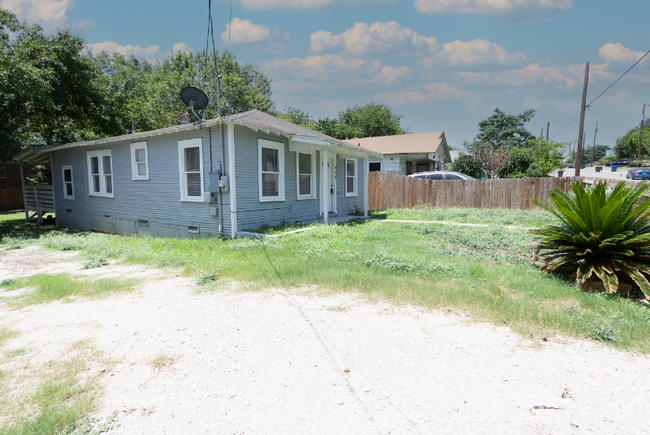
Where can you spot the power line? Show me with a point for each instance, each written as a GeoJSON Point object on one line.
{"type": "Point", "coordinates": [623, 75]}
{"type": "Point", "coordinates": [574, 120]}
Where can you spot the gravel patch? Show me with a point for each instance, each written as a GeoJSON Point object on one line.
{"type": "Point", "coordinates": [279, 361]}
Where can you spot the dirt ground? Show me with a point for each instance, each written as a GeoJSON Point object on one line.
{"type": "Point", "coordinates": [278, 362]}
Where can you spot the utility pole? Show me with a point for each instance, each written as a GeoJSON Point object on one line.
{"type": "Point", "coordinates": [593, 150]}
{"type": "Point", "coordinates": [548, 126]}
{"type": "Point", "coordinates": [638, 157]}
{"type": "Point", "coordinates": [582, 121]}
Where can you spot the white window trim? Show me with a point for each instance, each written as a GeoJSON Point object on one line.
{"type": "Point", "coordinates": [65, 191]}
{"type": "Point", "coordinates": [356, 173]}
{"type": "Point", "coordinates": [190, 143]}
{"type": "Point", "coordinates": [102, 184]}
{"type": "Point", "coordinates": [261, 143]}
{"type": "Point", "coordinates": [313, 176]}
{"type": "Point", "coordinates": [134, 165]}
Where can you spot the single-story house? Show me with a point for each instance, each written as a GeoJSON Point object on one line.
{"type": "Point", "coordinates": [214, 178]}
{"type": "Point", "coordinates": [407, 154]}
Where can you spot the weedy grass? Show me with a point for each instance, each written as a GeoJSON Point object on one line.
{"type": "Point", "coordinates": [490, 216]}
{"type": "Point", "coordinates": [53, 399]}
{"type": "Point", "coordinates": [482, 271]}
{"type": "Point", "coordinates": [63, 286]}
{"type": "Point", "coordinates": [18, 233]}
{"type": "Point", "coordinates": [159, 361]}
{"type": "Point", "coordinates": [6, 334]}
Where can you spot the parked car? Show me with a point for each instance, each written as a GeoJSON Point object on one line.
{"type": "Point", "coordinates": [573, 165]}
{"type": "Point", "coordinates": [623, 162]}
{"type": "Point", "coordinates": [442, 175]}
{"type": "Point", "coordinates": [638, 173]}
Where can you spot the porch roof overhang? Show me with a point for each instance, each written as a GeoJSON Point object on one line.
{"type": "Point", "coordinates": [305, 143]}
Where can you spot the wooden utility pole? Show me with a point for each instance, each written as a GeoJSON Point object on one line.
{"type": "Point", "coordinates": [548, 126]}
{"type": "Point", "coordinates": [582, 121]}
{"type": "Point", "coordinates": [593, 150]}
{"type": "Point", "coordinates": [638, 157]}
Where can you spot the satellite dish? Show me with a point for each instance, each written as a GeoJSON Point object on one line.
{"type": "Point", "coordinates": [194, 99]}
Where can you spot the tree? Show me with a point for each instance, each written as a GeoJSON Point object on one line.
{"type": "Point", "coordinates": [627, 147]}
{"type": "Point", "coordinates": [297, 116]}
{"type": "Point", "coordinates": [491, 155]}
{"type": "Point", "coordinates": [369, 120]}
{"type": "Point", "coordinates": [506, 130]}
{"type": "Point", "coordinates": [49, 88]}
{"type": "Point", "coordinates": [466, 164]}
{"type": "Point", "coordinates": [244, 87]}
{"type": "Point", "coordinates": [596, 154]}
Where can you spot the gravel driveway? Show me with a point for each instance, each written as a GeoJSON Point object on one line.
{"type": "Point", "coordinates": [304, 362]}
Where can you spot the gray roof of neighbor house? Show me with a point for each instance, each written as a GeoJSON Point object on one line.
{"type": "Point", "coordinates": [252, 119]}
{"type": "Point", "coordinates": [420, 143]}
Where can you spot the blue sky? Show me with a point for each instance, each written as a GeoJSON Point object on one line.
{"type": "Point", "coordinates": [442, 64]}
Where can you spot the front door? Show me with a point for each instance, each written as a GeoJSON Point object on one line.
{"type": "Point", "coordinates": [332, 180]}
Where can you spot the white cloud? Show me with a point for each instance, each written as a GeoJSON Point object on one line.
{"type": "Point", "coordinates": [379, 37]}
{"type": "Point", "coordinates": [534, 74]}
{"type": "Point", "coordinates": [619, 53]}
{"type": "Point", "coordinates": [389, 74]}
{"type": "Point", "coordinates": [427, 93]}
{"type": "Point", "coordinates": [179, 47]}
{"type": "Point", "coordinates": [245, 32]}
{"type": "Point", "coordinates": [472, 53]}
{"type": "Point", "coordinates": [489, 7]}
{"type": "Point", "coordinates": [50, 13]}
{"type": "Point", "coordinates": [329, 67]}
{"type": "Point", "coordinates": [110, 47]}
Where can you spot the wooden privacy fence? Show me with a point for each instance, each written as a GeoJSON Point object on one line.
{"type": "Point", "coordinates": [11, 200]}
{"type": "Point", "coordinates": [398, 191]}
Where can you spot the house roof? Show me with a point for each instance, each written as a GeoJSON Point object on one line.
{"type": "Point", "coordinates": [253, 118]}
{"type": "Point", "coordinates": [403, 143]}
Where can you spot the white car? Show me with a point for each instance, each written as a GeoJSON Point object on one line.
{"type": "Point", "coordinates": [442, 175]}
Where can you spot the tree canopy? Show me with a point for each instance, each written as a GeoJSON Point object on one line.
{"type": "Point", "coordinates": [628, 145]}
{"type": "Point", "coordinates": [49, 87]}
{"type": "Point", "coordinates": [54, 91]}
{"type": "Point", "coordinates": [369, 120]}
{"type": "Point", "coordinates": [505, 131]}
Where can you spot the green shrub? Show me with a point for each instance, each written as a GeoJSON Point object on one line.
{"type": "Point", "coordinates": [603, 234]}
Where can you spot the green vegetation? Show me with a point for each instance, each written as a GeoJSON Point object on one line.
{"type": "Point", "coordinates": [486, 216]}
{"type": "Point", "coordinates": [58, 397]}
{"type": "Point", "coordinates": [159, 361]}
{"type": "Point", "coordinates": [63, 286]}
{"type": "Point", "coordinates": [628, 145]}
{"type": "Point", "coordinates": [603, 235]}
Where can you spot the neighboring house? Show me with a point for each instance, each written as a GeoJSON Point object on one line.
{"type": "Point", "coordinates": [407, 154]}
{"type": "Point", "coordinates": [215, 178]}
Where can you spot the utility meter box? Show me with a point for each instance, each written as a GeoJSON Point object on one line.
{"type": "Point", "coordinates": [214, 182]}
{"type": "Point", "coordinates": [225, 183]}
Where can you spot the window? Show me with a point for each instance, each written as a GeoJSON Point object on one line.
{"type": "Point", "coordinates": [306, 170]}
{"type": "Point", "coordinates": [452, 177]}
{"type": "Point", "coordinates": [374, 167]}
{"type": "Point", "coordinates": [68, 189]}
{"type": "Point", "coordinates": [100, 173]}
{"type": "Point", "coordinates": [350, 177]}
{"type": "Point", "coordinates": [271, 170]}
{"type": "Point", "coordinates": [139, 161]}
{"type": "Point", "coordinates": [435, 177]}
{"type": "Point", "coordinates": [3, 175]}
{"type": "Point", "coordinates": [191, 169]}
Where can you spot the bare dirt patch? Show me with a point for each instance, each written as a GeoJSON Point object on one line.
{"type": "Point", "coordinates": [280, 361]}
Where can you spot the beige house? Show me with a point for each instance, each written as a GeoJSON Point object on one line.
{"type": "Point", "coordinates": [407, 154]}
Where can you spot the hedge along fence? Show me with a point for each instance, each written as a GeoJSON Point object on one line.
{"type": "Point", "coordinates": [398, 191]}
{"type": "Point", "coordinates": [11, 200]}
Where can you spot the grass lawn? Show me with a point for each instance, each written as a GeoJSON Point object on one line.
{"type": "Point", "coordinates": [482, 271]}
{"type": "Point", "coordinates": [493, 216]}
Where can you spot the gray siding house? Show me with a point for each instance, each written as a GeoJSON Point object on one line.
{"type": "Point", "coordinates": [215, 178]}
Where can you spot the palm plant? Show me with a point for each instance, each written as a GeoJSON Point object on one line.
{"type": "Point", "coordinates": [603, 233]}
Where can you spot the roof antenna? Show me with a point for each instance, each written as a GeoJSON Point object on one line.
{"type": "Point", "coordinates": [194, 99]}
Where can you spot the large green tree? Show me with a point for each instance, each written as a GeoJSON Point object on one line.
{"type": "Point", "coordinates": [369, 120]}
{"type": "Point", "coordinates": [628, 145]}
{"type": "Point", "coordinates": [49, 88]}
{"type": "Point", "coordinates": [243, 86]}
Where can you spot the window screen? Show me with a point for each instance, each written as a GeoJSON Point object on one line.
{"type": "Point", "coordinates": [270, 172]}
{"type": "Point", "coordinates": [374, 167]}
{"type": "Point", "coordinates": [304, 174]}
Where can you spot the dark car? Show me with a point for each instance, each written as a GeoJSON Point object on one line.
{"type": "Point", "coordinates": [442, 175]}
{"type": "Point", "coordinates": [623, 162]}
{"type": "Point", "coordinates": [573, 165]}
